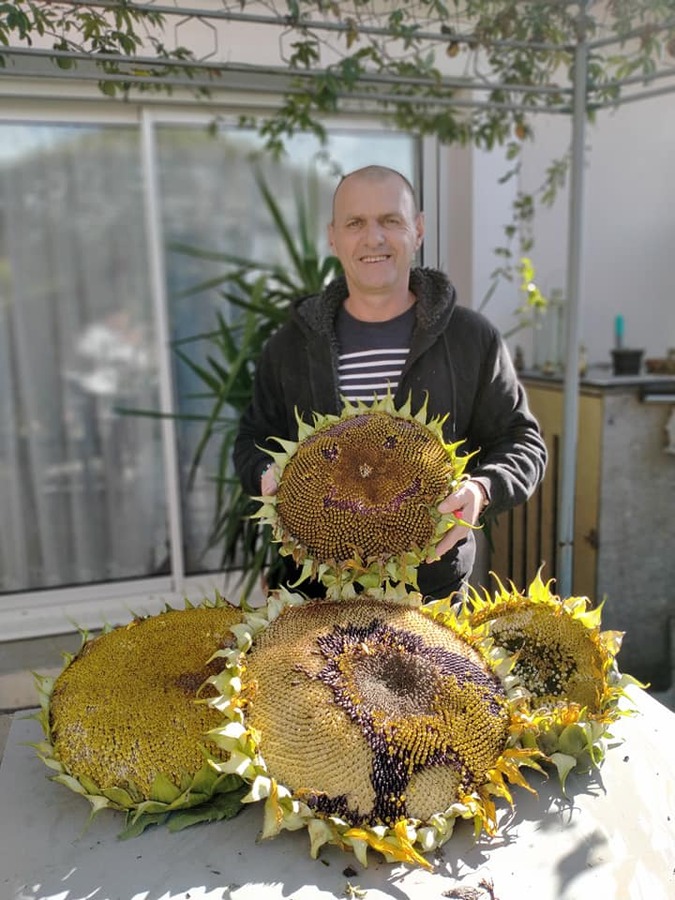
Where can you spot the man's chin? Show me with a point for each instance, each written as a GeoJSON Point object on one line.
{"type": "Point", "coordinates": [377, 276]}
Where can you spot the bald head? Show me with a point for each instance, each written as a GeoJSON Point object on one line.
{"type": "Point", "coordinates": [374, 174]}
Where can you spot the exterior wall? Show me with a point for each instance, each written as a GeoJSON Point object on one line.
{"type": "Point", "coordinates": [628, 227]}
{"type": "Point", "coordinates": [636, 532]}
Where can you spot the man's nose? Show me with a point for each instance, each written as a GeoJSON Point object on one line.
{"type": "Point", "coordinates": [374, 232]}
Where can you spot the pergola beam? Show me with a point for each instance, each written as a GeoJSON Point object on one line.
{"type": "Point", "coordinates": [218, 71]}
{"type": "Point", "coordinates": [287, 21]}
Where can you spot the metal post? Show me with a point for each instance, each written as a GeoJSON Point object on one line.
{"type": "Point", "coordinates": [570, 425]}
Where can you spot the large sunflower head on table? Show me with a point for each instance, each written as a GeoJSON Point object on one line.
{"type": "Point", "coordinates": [358, 495]}
{"type": "Point", "coordinates": [125, 722]}
{"type": "Point", "coordinates": [564, 664]}
{"type": "Point", "coordinates": [367, 721]}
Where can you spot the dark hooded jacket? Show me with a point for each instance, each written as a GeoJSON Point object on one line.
{"type": "Point", "coordinates": [457, 359]}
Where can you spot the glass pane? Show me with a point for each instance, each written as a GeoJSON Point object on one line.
{"type": "Point", "coordinates": [213, 208]}
{"type": "Point", "coordinates": [81, 485]}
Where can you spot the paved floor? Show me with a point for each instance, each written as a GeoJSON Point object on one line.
{"type": "Point", "coordinates": [5, 724]}
{"type": "Point", "coordinates": [18, 661]}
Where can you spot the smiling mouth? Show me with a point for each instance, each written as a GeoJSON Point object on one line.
{"type": "Point", "coordinates": [382, 257]}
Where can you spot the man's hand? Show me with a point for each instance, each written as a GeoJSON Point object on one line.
{"type": "Point", "coordinates": [269, 481]}
{"type": "Point", "coordinates": [466, 503]}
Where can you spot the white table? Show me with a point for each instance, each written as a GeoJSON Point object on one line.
{"type": "Point", "coordinates": [613, 840]}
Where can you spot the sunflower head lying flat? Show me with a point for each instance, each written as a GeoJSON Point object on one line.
{"type": "Point", "coordinates": [374, 723]}
{"type": "Point", "coordinates": [395, 715]}
{"type": "Point", "coordinates": [565, 665]}
{"type": "Point", "coordinates": [123, 724]}
{"type": "Point", "coordinates": [358, 494]}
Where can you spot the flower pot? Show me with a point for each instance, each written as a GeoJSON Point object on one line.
{"type": "Point", "coordinates": [626, 361]}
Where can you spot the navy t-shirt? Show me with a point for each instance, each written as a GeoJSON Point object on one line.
{"type": "Point", "coordinates": [372, 354]}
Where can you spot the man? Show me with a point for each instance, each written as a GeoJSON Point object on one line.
{"type": "Point", "coordinates": [388, 324]}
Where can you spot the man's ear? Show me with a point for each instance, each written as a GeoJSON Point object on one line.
{"type": "Point", "coordinates": [330, 237]}
{"type": "Point", "coordinates": [419, 229]}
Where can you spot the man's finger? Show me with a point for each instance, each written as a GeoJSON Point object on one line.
{"type": "Point", "coordinates": [452, 537]}
{"type": "Point", "coordinates": [269, 481]}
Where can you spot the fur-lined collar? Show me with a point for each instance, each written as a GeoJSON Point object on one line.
{"type": "Point", "coordinates": [435, 294]}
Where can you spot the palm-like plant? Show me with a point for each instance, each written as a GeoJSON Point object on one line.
{"type": "Point", "coordinates": [258, 296]}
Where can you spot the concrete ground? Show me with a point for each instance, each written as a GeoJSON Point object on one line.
{"type": "Point", "coordinates": [5, 723]}
{"type": "Point", "coordinates": [19, 659]}
{"type": "Point", "coordinates": [610, 837]}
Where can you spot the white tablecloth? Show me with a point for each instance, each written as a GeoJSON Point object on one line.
{"type": "Point", "coordinates": [613, 839]}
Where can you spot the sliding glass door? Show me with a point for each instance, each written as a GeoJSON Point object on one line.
{"type": "Point", "coordinates": [90, 333]}
{"type": "Point", "coordinates": [81, 484]}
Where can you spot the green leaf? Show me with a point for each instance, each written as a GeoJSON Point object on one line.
{"type": "Point", "coordinates": [204, 780]}
{"type": "Point", "coordinates": [573, 740]}
{"type": "Point", "coordinates": [118, 796]}
{"type": "Point", "coordinates": [222, 806]}
{"type": "Point", "coordinates": [282, 226]}
{"type": "Point", "coordinates": [108, 88]}
{"type": "Point", "coordinates": [136, 826]}
{"type": "Point", "coordinates": [564, 765]}
{"type": "Point", "coordinates": [164, 790]}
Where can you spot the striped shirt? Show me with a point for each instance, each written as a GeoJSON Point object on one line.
{"type": "Point", "coordinates": [372, 354]}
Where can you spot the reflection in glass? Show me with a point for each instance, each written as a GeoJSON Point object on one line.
{"type": "Point", "coordinates": [81, 486]}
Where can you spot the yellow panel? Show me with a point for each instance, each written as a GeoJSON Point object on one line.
{"type": "Point", "coordinates": [531, 538]}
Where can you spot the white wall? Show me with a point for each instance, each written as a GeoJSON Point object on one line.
{"type": "Point", "coordinates": [628, 247]}
{"type": "Point", "coordinates": [492, 213]}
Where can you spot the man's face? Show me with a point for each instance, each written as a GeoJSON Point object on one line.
{"type": "Point", "coordinates": [375, 233]}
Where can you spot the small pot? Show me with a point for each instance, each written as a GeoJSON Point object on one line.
{"type": "Point", "coordinates": [626, 361]}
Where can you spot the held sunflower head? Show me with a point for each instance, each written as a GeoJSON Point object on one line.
{"type": "Point", "coordinates": [125, 720]}
{"type": "Point", "coordinates": [358, 494]}
{"type": "Point", "coordinates": [565, 665]}
{"type": "Point", "coordinates": [369, 722]}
